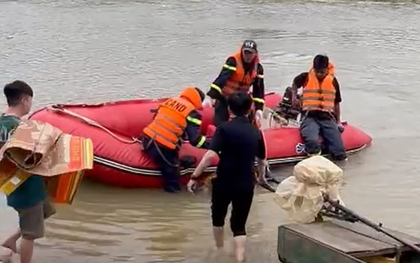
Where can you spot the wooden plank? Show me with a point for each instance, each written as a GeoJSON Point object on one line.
{"type": "Point", "coordinates": [365, 230]}
{"type": "Point", "coordinates": [296, 248]}
{"type": "Point", "coordinates": [339, 238]}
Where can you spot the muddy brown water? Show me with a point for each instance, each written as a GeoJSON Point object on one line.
{"type": "Point", "coordinates": [93, 51]}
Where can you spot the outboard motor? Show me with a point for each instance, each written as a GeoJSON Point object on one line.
{"type": "Point", "coordinates": [285, 109]}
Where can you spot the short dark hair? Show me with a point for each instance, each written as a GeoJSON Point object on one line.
{"type": "Point", "coordinates": [240, 103]}
{"type": "Point", "coordinates": [321, 62]}
{"type": "Point", "coordinates": [15, 91]}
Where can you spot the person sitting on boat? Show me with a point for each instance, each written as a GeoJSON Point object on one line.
{"type": "Point", "coordinates": [175, 118]}
{"type": "Point", "coordinates": [286, 109]}
{"type": "Point", "coordinates": [239, 73]}
{"type": "Point", "coordinates": [320, 107]}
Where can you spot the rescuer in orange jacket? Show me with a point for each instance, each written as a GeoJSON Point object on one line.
{"type": "Point", "coordinates": [175, 119]}
{"type": "Point", "coordinates": [320, 108]}
{"type": "Point", "coordinates": [240, 71]}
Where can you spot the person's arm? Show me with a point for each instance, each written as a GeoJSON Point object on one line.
{"type": "Point", "coordinates": [298, 82]}
{"type": "Point", "coordinates": [338, 99]}
{"type": "Point", "coordinates": [204, 163]}
{"type": "Point", "coordinates": [216, 87]}
{"type": "Point", "coordinates": [258, 89]}
{"type": "Point", "coordinates": [7, 128]}
{"type": "Point", "coordinates": [261, 156]}
{"type": "Point", "coordinates": [214, 149]}
{"type": "Point", "coordinates": [193, 131]}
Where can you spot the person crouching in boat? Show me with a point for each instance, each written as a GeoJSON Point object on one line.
{"type": "Point", "coordinates": [175, 118]}
{"type": "Point", "coordinates": [240, 71]}
{"type": "Point", "coordinates": [320, 105]}
{"type": "Point", "coordinates": [285, 109]}
{"type": "Point", "coordinates": [237, 143]}
{"type": "Point", "coordinates": [30, 199]}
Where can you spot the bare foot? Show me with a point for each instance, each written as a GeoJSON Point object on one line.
{"type": "Point", "coordinates": [215, 255]}
{"type": "Point", "coordinates": [10, 245]}
{"type": "Point", "coordinates": [239, 247]}
{"type": "Point", "coordinates": [240, 255]}
{"type": "Point", "coordinates": [5, 255]}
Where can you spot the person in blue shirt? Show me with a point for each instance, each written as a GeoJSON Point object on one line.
{"type": "Point", "coordinates": [30, 198]}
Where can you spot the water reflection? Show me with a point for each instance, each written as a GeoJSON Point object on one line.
{"type": "Point", "coordinates": [145, 220]}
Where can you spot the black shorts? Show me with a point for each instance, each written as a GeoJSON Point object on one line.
{"type": "Point", "coordinates": [241, 204]}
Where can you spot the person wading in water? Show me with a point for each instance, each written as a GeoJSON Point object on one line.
{"type": "Point", "coordinates": [30, 199]}
{"type": "Point", "coordinates": [175, 119]}
{"type": "Point", "coordinates": [237, 143]}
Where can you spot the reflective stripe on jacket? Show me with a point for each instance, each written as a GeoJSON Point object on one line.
{"type": "Point", "coordinates": [318, 96]}
{"type": "Point", "coordinates": [170, 121]}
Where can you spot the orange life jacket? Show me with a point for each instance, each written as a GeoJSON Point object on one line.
{"type": "Point", "coordinates": [318, 96]}
{"type": "Point", "coordinates": [239, 81]}
{"type": "Point", "coordinates": [171, 118]}
{"type": "Point", "coordinates": [331, 69]}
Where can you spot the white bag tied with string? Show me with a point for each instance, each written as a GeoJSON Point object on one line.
{"type": "Point", "coordinates": [301, 195]}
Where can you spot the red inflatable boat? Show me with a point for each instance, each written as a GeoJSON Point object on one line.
{"type": "Point", "coordinates": [119, 161]}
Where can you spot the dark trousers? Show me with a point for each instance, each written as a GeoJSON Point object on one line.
{"type": "Point", "coordinates": [312, 127]}
{"type": "Point", "coordinates": [221, 112]}
{"type": "Point", "coordinates": [241, 205]}
{"type": "Point", "coordinates": [165, 159]}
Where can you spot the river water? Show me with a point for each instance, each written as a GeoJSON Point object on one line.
{"type": "Point", "coordinates": [100, 50]}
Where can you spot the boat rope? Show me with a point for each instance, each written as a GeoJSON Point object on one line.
{"type": "Point", "coordinates": [58, 108]}
{"type": "Point", "coordinates": [276, 117]}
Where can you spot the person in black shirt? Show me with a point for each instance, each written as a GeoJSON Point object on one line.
{"type": "Point", "coordinates": [237, 143]}
{"type": "Point", "coordinates": [240, 71]}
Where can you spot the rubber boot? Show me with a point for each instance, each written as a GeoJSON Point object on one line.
{"type": "Point", "coordinates": [171, 186]}
{"type": "Point", "coordinates": [239, 243]}
{"type": "Point", "coordinates": [171, 179]}
{"type": "Point", "coordinates": [218, 234]}
{"type": "Point", "coordinates": [171, 189]}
